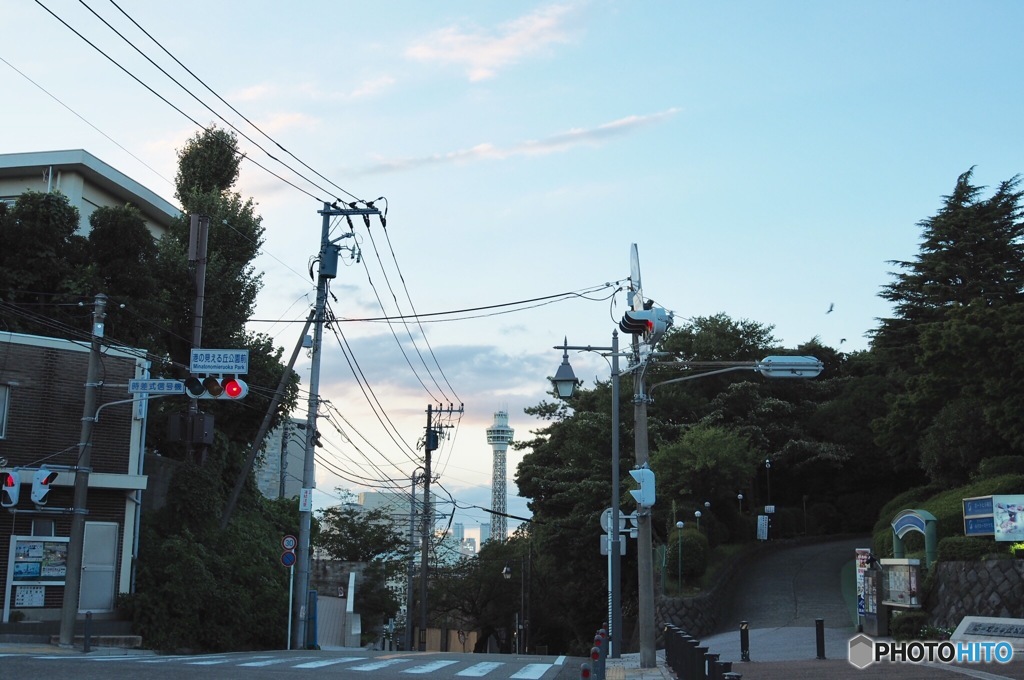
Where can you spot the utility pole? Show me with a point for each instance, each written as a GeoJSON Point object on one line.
{"type": "Point", "coordinates": [198, 236]}
{"type": "Point", "coordinates": [410, 598]}
{"type": "Point", "coordinates": [645, 556]}
{"type": "Point", "coordinates": [329, 251]}
{"type": "Point", "coordinates": [73, 578]}
{"type": "Point", "coordinates": [433, 435]}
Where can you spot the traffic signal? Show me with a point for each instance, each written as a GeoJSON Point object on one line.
{"type": "Point", "coordinates": [41, 479]}
{"type": "Point", "coordinates": [10, 488]}
{"type": "Point", "coordinates": [644, 496]}
{"type": "Point", "coordinates": [650, 323]}
{"type": "Point", "coordinates": [215, 387]}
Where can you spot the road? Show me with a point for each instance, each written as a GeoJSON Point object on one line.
{"type": "Point", "coordinates": [292, 665]}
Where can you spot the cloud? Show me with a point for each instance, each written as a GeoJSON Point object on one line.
{"type": "Point", "coordinates": [556, 143]}
{"type": "Point", "coordinates": [483, 52]}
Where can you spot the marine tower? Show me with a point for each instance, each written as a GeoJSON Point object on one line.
{"type": "Point", "coordinates": [499, 435]}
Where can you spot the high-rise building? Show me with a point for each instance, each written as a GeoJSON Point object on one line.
{"type": "Point", "coordinates": [485, 533]}
{"type": "Point", "coordinates": [499, 435]}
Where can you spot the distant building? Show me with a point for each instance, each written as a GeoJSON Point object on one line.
{"type": "Point", "coordinates": [88, 183]}
{"type": "Point", "coordinates": [284, 457]}
{"type": "Point", "coordinates": [485, 533]}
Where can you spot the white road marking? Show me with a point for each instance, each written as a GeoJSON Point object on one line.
{"type": "Point", "coordinates": [532, 671]}
{"type": "Point", "coordinates": [479, 670]}
{"type": "Point", "coordinates": [430, 667]}
{"type": "Point", "coordinates": [329, 662]}
{"type": "Point", "coordinates": [377, 665]}
{"type": "Point", "coordinates": [266, 662]}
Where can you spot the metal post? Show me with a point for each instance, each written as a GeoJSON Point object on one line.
{"type": "Point", "coordinates": [744, 641]}
{"type": "Point", "coordinates": [410, 587]}
{"type": "Point", "coordinates": [73, 579]}
{"type": "Point", "coordinates": [819, 636]}
{"type": "Point", "coordinates": [198, 236]}
{"type": "Point", "coordinates": [87, 634]}
{"type": "Point", "coordinates": [699, 662]}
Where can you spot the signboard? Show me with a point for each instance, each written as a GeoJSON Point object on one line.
{"type": "Point", "coordinates": [979, 526]}
{"type": "Point", "coordinates": [156, 386]}
{"type": "Point", "coordinates": [29, 596]}
{"type": "Point", "coordinates": [606, 545]}
{"type": "Point", "coordinates": [979, 505]}
{"type": "Point", "coordinates": [306, 500]}
{"type": "Point", "coordinates": [289, 542]}
{"type": "Point", "coordinates": [762, 527]}
{"type": "Point", "coordinates": [220, 361]}
{"type": "Point", "coordinates": [862, 566]}
{"type": "Point", "coordinates": [1008, 517]}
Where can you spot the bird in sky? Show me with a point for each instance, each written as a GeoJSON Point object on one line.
{"type": "Point", "coordinates": [831, 306]}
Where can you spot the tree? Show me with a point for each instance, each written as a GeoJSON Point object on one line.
{"type": "Point", "coordinates": [949, 305]}
{"type": "Point", "coordinates": [352, 534]}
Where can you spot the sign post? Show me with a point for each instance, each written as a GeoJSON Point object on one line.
{"type": "Point", "coordinates": [288, 543]}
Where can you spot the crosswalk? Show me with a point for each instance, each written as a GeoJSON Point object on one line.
{"type": "Point", "coordinates": [406, 665]}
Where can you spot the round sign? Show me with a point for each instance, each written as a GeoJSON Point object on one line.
{"type": "Point", "coordinates": [287, 558]}
{"type": "Point", "coordinates": [289, 542]}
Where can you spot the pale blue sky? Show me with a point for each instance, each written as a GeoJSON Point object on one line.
{"type": "Point", "coordinates": [768, 158]}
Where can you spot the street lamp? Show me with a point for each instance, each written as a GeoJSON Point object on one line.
{"type": "Point", "coordinates": [565, 383]}
{"type": "Point", "coordinates": [739, 497]}
{"type": "Point", "coordinates": [696, 513]}
{"type": "Point", "coordinates": [768, 478]}
{"type": "Point", "coordinates": [679, 574]}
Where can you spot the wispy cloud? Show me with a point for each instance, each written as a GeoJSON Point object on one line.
{"type": "Point", "coordinates": [556, 143]}
{"type": "Point", "coordinates": [483, 52]}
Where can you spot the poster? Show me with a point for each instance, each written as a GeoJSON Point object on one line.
{"type": "Point", "coordinates": [40, 560]}
{"type": "Point", "coordinates": [862, 566]}
{"type": "Point", "coordinates": [1008, 512]}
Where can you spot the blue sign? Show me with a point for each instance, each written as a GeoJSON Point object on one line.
{"type": "Point", "coordinates": [156, 386]}
{"type": "Point", "coordinates": [978, 506]}
{"type": "Point", "coordinates": [979, 526]}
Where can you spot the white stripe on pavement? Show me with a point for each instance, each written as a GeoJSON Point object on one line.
{"type": "Point", "coordinates": [377, 665]}
{"type": "Point", "coordinates": [479, 670]}
{"type": "Point", "coordinates": [265, 662]}
{"type": "Point", "coordinates": [329, 662]}
{"type": "Point", "coordinates": [532, 671]}
{"type": "Point", "coordinates": [429, 667]}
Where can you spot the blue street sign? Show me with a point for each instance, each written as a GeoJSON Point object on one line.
{"type": "Point", "coordinates": [156, 386]}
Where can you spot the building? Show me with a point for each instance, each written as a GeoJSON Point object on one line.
{"type": "Point", "coordinates": [284, 456]}
{"type": "Point", "coordinates": [88, 182]}
{"type": "Point", "coordinates": [42, 399]}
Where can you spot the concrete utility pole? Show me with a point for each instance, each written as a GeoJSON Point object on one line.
{"type": "Point", "coordinates": [329, 251]}
{"type": "Point", "coordinates": [645, 556]}
{"type": "Point", "coordinates": [198, 236]}
{"type": "Point", "coordinates": [73, 578]}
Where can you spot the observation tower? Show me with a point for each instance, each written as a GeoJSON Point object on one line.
{"type": "Point", "coordinates": [499, 435]}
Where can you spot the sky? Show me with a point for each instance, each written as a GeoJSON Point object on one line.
{"type": "Point", "coordinates": [769, 160]}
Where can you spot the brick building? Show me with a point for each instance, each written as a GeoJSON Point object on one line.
{"type": "Point", "coordinates": [42, 393]}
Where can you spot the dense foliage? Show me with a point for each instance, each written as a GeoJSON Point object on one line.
{"type": "Point", "coordinates": [934, 403]}
{"type": "Point", "coordinates": [197, 587]}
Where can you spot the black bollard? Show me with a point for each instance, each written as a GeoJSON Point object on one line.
{"type": "Point", "coordinates": [744, 641]}
{"type": "Point", "coordinates": [710, 665]}
{"type": "Point", "coordinates": [699, 662]}
{"type": "Point", "coordinates": [819, 635]}
{"type": "Point", "coordinates": [87, 634]}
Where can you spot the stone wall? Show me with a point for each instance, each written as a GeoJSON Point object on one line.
{"type": "Point", "coordinates": [985, 588]}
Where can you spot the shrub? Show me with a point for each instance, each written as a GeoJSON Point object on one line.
{"type": "Point", "coordinates": [965, 548]}
{"type": "Point", "coordinates": [907, 625]}
{"type": "Point", "coordinates": [1000, 465]}
{"type": "Point", "coordinates": [695, 554]}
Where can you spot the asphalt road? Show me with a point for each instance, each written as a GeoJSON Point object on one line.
{"type": "Point", "coordinates": [290, 665]}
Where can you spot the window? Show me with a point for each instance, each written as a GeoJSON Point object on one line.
{"type": "Point", "coordinates": [5, 390]}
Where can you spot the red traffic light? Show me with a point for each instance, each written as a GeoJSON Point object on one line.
{"type": "Point", "coordinates": [41, 479]}
{"type": "Point", "coordinates": [215, 387]}
{"type": "Point", "coordinates": [10, 488]}
{"type": "Point", "coordinates": [235, 388]}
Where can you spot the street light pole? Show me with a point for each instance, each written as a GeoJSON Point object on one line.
{"type": "Point", "coordinates": [565, 383]}
{"type": "Point", "coordinates": [679, 574]}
